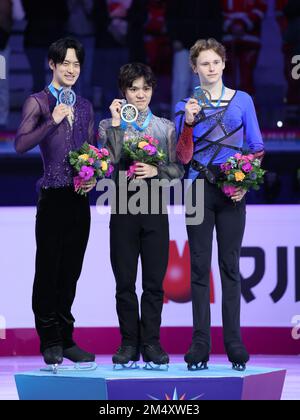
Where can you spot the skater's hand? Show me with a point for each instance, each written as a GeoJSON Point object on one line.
{"type": "Point", "coordinates": [88, 186]}
{"type": "Point", "coordinates": [60, 112]}
{"type": "Point", "coordinates": [238, 195]}
{"type": "Point", "coordinates": [143, 170]}
{"type": "Point", "coordinates": [115, 110]}
{"type": "Point", "coordinates": [192, 109]}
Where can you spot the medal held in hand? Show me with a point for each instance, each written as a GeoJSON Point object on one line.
{"type": "Point", "coordinates": [202, 96]}
{"type": "Point", "coordinates": [129, 113]}
{"type": "Point", "coordinates": [67, 97]}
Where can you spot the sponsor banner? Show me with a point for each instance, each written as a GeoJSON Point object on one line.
{"type": "Point", "coordinates": [270, 270]}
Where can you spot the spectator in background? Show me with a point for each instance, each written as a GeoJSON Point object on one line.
{"type": "Point", "coordinates": [81, 26]}
{"type": "Point", "coordinates": [159, 54]}
{"type": "Point", "coordinates": [46, 22]}
{"type": "Point", "coordinates": [119, 39]}
{"type": "Point", "coordinates": [242, 38]}
{"type": "Point", "coordinates": [291, 47]}
{"type": "Point", "coordinates": [6, 18]}
{"type": "Point", "coordinates": [188, 21]}
{"type": "Point", "coordinates": [10, 10]}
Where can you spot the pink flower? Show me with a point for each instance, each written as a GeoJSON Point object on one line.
{"type": "Point", "coordinates": [251, 157]}
{"type": "Point", "coordinates": [104, 152]}
{"type": "Point", "coordinates": [228, 190]}
{"type": "Point", "coordinates": [91, 161]}
{"type": "Point", "coordinates": [247, 167]}
{"type": "Point", "coordinates": [151, 140]}
{"type": "Point", "coordinates": [131, 171]}
{"type": "Point", "coordinates": [78, 183]}
{"type": "Point", "coordinates": [238, 156]}
{"type": "Point", "coordinates": [86, 173]}
{"type": "Point", "coordinates": [97, 151]}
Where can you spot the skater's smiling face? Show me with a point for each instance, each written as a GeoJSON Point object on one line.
{"type": "Point", "coordinates": [139, 94]}
{"type": "Point", "coordinates": [66, 73]}
{"type": "Point", "coordinates": [209, 67]}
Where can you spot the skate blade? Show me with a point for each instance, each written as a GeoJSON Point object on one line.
{"type": "Point", "coordinates": [129, 366]}
{"type": "Point", "coordinates": [86, 367]}
{"type": "Point", "coordinates": [197, 366]}
{"type": "Point", "coordinates": [50, 369]}
{"type": "Point", "coordinates": [239, 367]}
{"type": "Point", "coordinates": [159, 368]}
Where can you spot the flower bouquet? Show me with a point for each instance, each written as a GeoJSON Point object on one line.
{"type": "Point", "coordinates": [241, 171]}
{"type": "Point", "coordinates": [144, 149]}
{"type": "Point", "coordinates": [89, 164]}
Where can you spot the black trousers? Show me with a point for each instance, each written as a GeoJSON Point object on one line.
{"type": "Point", "coordinates": [146, 236]}
{"type": "Point", "coordinates": [62, 231]}
{"type": "Point", "coordinates": [229, 220]}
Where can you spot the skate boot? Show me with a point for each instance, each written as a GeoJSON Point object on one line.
{"type": "Point", "coordinates": [126, 357]}
{"type": "Point", "coordinates": [197, 357]}
{"type": "Point", "coordinates": [238, 356]}
{"type": "Point", "coordinates": [155, 357]}
{"type": "Point", "coordinates": [53, 357]}
{"type": "Point", "coordinates": [77, 355]}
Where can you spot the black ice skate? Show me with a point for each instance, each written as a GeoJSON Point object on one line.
{"type": "Point", "coordinates": [197, 357]}
{"type": "Point", "coordinates": [53, 357]}
{"type": "Point", "coordinates": [238, 356]}
{"type": "Point", "coordinates": [126, 357]}
{"type": "Point", "coordinates": [155, 357]}
{"type": "Point", "coordinates": [82, 359]}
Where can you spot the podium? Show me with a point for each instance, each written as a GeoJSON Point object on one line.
{"type": "Point", "coordinates": [104, 383]}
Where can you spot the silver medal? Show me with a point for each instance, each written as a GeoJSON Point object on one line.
{"type": "Point", "coordinates": [67, 97]}
{"type": "Point", "coordinates": [129, 113]}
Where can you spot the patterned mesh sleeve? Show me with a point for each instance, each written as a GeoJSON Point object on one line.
{"type": "Point", "coordinates": [91, 129]}
{"type": "Point", "coordinates": [185, 145]}
{"type": "Point", "coordinates": [31, 132]}
{"type": "Point", "coordinates": [173, 169]}
{"type": "Point", "coordinates": [111, 138]}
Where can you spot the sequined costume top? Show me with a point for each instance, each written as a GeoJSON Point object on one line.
{"type": "Point", "coordinates": [161, 129]}
{"type": "Point", "coordinates": [54, 140]}
{"type": "Point", "coordinates": [219, 132]}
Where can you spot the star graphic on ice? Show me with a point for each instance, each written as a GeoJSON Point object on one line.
{"type": "Point", "coordinates": [175, 397]}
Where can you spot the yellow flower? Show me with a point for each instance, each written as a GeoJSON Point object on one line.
{"type": "Point", "coordinates": [239, 176]}
{"type": "Point", "coordinates": [84, 157]}
{"type": "Point", "coordinates": [142, 144]}
{"type": "Point", "coordinates": [104, 166]}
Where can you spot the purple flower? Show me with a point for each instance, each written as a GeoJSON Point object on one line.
{"type": "Point", "coordinates": [226, 167]}
{"type": "Point", "coordinates": [86, 173]}
{"type": "Point", "coordinates": [253, 176]}
{"type": "Point", "coordinates": [228, 190]}
{"type": "Point", "coordinates": [151, 150]}
{"type": "Point", "coordinates": [247, 167]}
{"type": "Point", "coordinates": [109, 171]}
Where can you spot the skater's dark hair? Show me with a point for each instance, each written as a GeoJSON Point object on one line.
{"type": "Point", "coordinates": [58, 50]}
{"type": "Point", "coordinates": [133, 71]}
